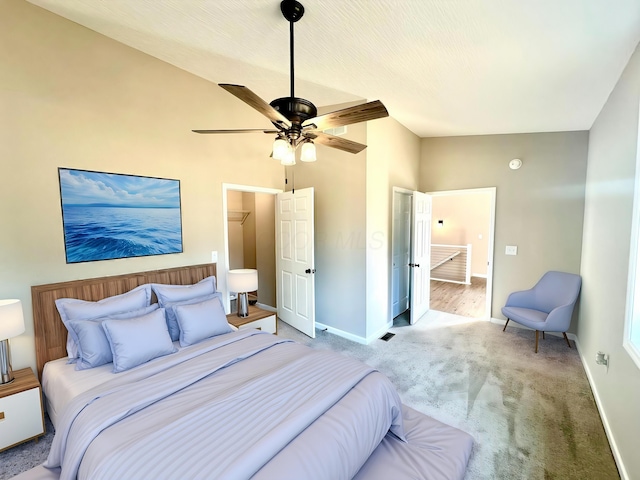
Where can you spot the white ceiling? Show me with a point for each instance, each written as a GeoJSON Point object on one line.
{"type": "Point", "coordinates": [441, 67]}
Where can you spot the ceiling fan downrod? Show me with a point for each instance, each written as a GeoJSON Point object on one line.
{"type": "Point", "coordinates": [297, 110]}
{"type": "Point", "coordinates": [293, 11]}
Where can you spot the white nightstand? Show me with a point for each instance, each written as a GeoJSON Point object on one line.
{"type": "Point", "coordinates": [258, 318]}
{"type": "Point", "coordinates": [21, 413]}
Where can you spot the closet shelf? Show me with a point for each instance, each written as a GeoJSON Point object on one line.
{"type": "Point", "coordinates": [237, 215]}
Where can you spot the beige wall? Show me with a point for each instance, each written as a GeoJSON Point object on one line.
{"type": "Point", "coordinates": [393, 158]}
{"type": "Point", "coordinates": [249, 230]}
{"type": "Point", "coordinates": [539, 208]}
{"type": "Point", "coordinates": [466, 218]}
{"type": "Point", "coordinates": [613, 144]}
{"type": "Point", "coordinates": [235, 230]}
{"type": "Point", "coordinates": [73, 98]}
{"type": "Point", "coordinates": [339, 181]}
{"type": "Point", "coordinates": [266, 247]}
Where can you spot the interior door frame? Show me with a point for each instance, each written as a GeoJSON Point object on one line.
{"type": "Point", "coordinates": [222, 279]}
{"type": "Point", "coordinates": [491, 240]}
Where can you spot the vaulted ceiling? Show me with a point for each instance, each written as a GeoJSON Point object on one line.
{"type": "Point", "coordinates": [442, 67]}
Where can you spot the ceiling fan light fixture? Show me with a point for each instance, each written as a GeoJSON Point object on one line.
{"type": "Point", "coordinates": [289, 157]}
{"type": "Point", "coordinates": [308, 152]}
{"type": "Point", "coordinates": [280, 148]}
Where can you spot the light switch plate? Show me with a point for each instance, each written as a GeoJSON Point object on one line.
{"type": "Point", "coordinates": [214, 257]}
{"type": "Point", "coordinates": [511, 250]}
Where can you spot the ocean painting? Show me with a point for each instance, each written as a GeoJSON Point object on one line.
{"type": "Point", "coordinates": [111, 215]}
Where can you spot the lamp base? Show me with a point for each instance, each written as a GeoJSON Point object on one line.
{"type": "Point", "coordinates": [6, 374]}
{"type": "Point", "coordinates": [243, 305]}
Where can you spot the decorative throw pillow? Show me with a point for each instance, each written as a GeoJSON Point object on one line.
{"type": "Point", "coordinates": [138, 340]}
{"type": "Point", "coordinates": [178, 293]}
{"type": "Point", "coordinates": [172, 322]}
{"type": "Point", "coordinates": [93, 347]}
{"type": "Point", "coordinates": [201, 320]}
{"type": "Point", "coordinates": [75, 309]}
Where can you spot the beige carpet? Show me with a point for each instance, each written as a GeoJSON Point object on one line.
{"type": "Point", "coordinates": [533, 416]}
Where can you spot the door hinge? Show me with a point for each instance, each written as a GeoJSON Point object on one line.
{"type": "Point", "coordinates": [309, 270]}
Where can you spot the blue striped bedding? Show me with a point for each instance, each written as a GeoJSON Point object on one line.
{"type": "Point", "coordinates": [242, 405]}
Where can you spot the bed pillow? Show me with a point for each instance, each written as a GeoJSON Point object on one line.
{"type": "Point", "coordinates": [172, 322]}
{"type": "Point", "coordinates": [178, 293]}
{"type": "Point", "coordinates": [138, 340]}
{"type": "Point", "coordinates": [93, 347]}
{"type": "Point", "coordinates": [75, 309]}
{"type": "Point", "coordinates": [201, 320]}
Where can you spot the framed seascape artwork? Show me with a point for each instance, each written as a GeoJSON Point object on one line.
{"type": "Point", "coordinates": [111, 215]}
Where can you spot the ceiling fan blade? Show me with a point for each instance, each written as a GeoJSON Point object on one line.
{"type": "Point", "coordinates": [336, 142]}
{"type": "Point", "coordinates": [347, 116]}
{"type": "Point", "coordinates": [244, 130]}
{"type": "Point", "coordinates": [253, 100]}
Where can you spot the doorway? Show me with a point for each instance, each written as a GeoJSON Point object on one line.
{"type": "Point", "coordinates": [249, 215]}
{"type": "Point", "coordinates": [480, 272]}
{"type": "Point", "coordinates": [463, 224]}
{"type": "Point", "coordinates": [411, 252]}
{"type": "Point", "coordinates": [272, 231]}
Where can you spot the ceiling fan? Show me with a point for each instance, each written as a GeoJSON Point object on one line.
{"type": "Point", "coordinates": [296, 120]}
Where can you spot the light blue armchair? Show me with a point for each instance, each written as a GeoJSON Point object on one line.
{"type": "Point", "coordinates": [547, 306]}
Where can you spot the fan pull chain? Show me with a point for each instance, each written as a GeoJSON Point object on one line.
{"type": "Point", "coordinates": [286, 180]}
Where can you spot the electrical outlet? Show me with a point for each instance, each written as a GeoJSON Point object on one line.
{"type": "Point", "coordinates": [602, 359]}
{"type": "Point", "coordinates": [511, 250]}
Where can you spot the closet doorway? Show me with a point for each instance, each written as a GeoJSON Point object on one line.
{"type": "Point", "coordinates": [249, 224]}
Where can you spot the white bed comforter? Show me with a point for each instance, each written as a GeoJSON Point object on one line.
{"type": "Point", "coordinates": [240, 405]}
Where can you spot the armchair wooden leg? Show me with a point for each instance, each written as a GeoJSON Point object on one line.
{"type": "Point", "coordinates": [565, 337]}
{"type": "Point", "coordinates": [505, 325]}
{"type": "Point", "coordinates": [543, 334]}
{"type": "Point", "coordinates": [537, 332]}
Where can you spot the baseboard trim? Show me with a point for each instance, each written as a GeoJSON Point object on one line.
{"type": "Point", "coordinates": [449, 281]}
{"type": "Point", "coordinates": [342, 333]}
{"type": "Point", "coordinates": [605, 421]}
{"type": "Point", "coordinates": [268, 308]}
{"type": "Point", "coordinates": [479, 275]}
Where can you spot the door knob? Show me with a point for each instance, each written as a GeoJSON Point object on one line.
{"type": "Point", "coordinates": [308, 270]}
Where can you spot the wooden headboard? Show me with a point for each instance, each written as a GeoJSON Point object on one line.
{"type": "Point", "coordinates": [51, 334]}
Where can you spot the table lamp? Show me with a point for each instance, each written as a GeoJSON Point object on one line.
{"type": "Point", "coordinates": [241, 281]}
{"type": "Point", "coordinates": [11, 325]}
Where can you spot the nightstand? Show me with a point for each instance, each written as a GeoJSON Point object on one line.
{"type": "Point", "coordinates": [21, 413]}
{"type": "Point", "coordinates": [258, 318]}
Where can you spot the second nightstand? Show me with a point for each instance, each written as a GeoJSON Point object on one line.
{"type": "Point", "coordinates": [258, 318]}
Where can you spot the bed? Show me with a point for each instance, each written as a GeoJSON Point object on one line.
{"type": "Point", "coordinates": [233, 405]}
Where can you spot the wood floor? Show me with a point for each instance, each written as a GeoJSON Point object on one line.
{"type": "Point", "coordinates": [465, 300]}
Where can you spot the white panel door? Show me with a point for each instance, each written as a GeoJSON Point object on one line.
{"type": "Point", "coordinates": [420, 255]}
{"type": "Point", "coordinates": [295, 271]}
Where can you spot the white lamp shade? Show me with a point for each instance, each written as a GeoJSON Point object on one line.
{"type": "Point", "coordinates": [308, 152]}
{"type": "Point", "coordinates": [11, 319]}
{"type": "Point", "coordinates": [290, 157]}
{"type": "Point", "coordinates": [242, 280]}
{"type": "Point", "coordinates": [280, 147]}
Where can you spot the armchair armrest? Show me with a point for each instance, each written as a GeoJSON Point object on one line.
{"type": "Point", "coordinates": [522, 298]}
{"type": "Point", "coordinates": [559, 318]}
